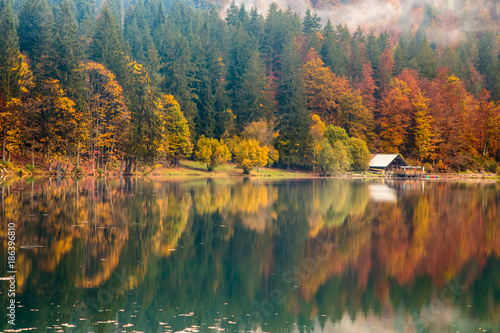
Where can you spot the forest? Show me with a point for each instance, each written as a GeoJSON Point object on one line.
{"type": "Point", "coordinates": [147, 82]}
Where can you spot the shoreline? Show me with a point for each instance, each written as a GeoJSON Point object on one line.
{"type": "Point", "coordinates": [193, 170]}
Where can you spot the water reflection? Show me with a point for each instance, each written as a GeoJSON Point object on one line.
{"type": "Point", "coordinates": [276, 256]}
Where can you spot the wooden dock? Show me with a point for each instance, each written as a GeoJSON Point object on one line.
{"type": "Point", "coordinates": [406, 172]}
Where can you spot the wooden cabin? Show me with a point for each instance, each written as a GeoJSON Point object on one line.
{"type": "Point", "coordinates": [385, 162]}
{"type": "Point", "coordinates": [395, 165]}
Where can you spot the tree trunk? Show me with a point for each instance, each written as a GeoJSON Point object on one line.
{"type": "Point", "coordinates": [128, 166]}
{"type": "Point", "coordinates": [78, 156]}
{"type": "Point", "coordinates": [33, 155]}
{"type": "Point", "coordinates": [58, 167]}
{"type": "Point", "coordinates": [4, 142]}
{"type": "Point", "coordinates": [121, 167]}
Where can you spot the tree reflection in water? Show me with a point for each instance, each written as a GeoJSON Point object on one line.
{"type": "Point", "coordinates": [243, 254]}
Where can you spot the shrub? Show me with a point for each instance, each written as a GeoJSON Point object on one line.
{"type": "Point", "coordinates": [100, 171]}
{"type": "Point", "coordinates": [30, 168]}
{"type": "Point", "coordinates": [428, 167]}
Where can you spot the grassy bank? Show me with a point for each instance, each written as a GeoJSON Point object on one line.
{"type": "Point", "coordinates": [187, 169]}
{"type": "Point", "coordinates": [21, 168]}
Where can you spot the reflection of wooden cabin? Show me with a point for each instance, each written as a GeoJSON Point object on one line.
{"type": "Point", "coordinates": [386, 162]}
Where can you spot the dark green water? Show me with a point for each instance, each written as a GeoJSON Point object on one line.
{"type": "Point", "coordinates": [253, 255]}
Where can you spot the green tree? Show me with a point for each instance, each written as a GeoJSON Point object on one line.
{"type": "Point", "coordinates": [107, 46]}
{"type": "Point", "coordinates": [332, 159]}
{"type": "Point", "coordinates": [331, 52]}
{"type": "Point", "coordinates": [360, 155]}
{"type": "Point", "coordinates": [212, 152]}
{"type": "Point", "coordinates": [253, 100]}
{"type": "Point", "coordinates": [426, 61]}
{"type": "Point", "coordinates": [36, 37]}
{"type": "Point", "coordinates": [10, 65]}
{"type": "Point", "coordinates": [294, 122]}
{"type": "Point", "coordinates": [68, 53]}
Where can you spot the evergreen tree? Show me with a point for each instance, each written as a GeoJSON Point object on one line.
{"type": "Point", "coordinates": [232, 15]}
{"type": "Point", "coordinates": [400, 58]}
{"type": "Point", "coordinates": [310, 26]}
{"type": "Point", "coordinates": [488, 63]}
{"type": "Point", "coordinates": [253, 99]}
{"type": "Point", "coordinates": [36, 37]}
{"type": "Point", "coordinates": [294, 122]}
{"type": "Point", "coordinates": [10, 61]}
{"type": "Point", "coordinates": [331, 53]}
{"type": "Point", "coordinates": [68, 52]}
{"type": "Point", "coordinates": [373, 52]}
{"type": "Point", "coordinates": [426, 61]}
{"type": "Point", "coordinates": [178, 70]}
{"type": "Point", "coordinates": [107, 46]}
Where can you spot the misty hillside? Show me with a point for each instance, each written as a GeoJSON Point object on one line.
{"type": "Point", "coordinates": [154, 81]}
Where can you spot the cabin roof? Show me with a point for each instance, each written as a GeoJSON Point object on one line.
{"type": "Point", "coordinates": [384, 160]}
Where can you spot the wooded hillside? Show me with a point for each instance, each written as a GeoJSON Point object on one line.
{"type": "Point", "coordinates": [144, 81]}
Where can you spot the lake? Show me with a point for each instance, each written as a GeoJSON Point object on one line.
{"type": "Point", "coordinates": [260, 255]}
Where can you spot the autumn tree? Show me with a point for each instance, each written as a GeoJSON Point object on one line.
{"type": "Point", "coordinates": [212, 152]}
{"type": "Point", "coordinates": [175, 130]}
{"type": "Point", "coordinates": [57, 121]}
{"type": "Point", "coordinates": [424, 134]}
{"type": "Point", "coordinates": [248, 153]}
{"type": "Point", "coordinates": [395, 114]}
{"type": "Point", "coordinates": [108, 116]}
{"type": "Point", "coordinates": [263, 132]}
{"type": "Point", "coordinates": [323, 88]}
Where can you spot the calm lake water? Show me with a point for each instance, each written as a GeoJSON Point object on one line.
{"type": "Point", "coordinates": [253, 255]}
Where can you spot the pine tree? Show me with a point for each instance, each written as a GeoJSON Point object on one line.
{"type": "Point", "coordinates": [331, 53]}
{"type": "Point", "coordinates": [488, 64]}
{"type": "Point", "coordinates": [294, 141]}
{"type": "Point", "coordinates": [400, 58]}
{"type": "Point", "coordinates": [426, 61]}
{"type": "Point", "coordinates": [310, 26]}
{"type": "Point", "coordinates": [10, 62]}
{"type": "Point", "coordinates": [253, 100]}
{"type": "Point", "coordinates": [107, 46]}
{"type": "Point", "coordinates": [36, 37]}
{"type": "Point", "coordinates": [68, 52]}
{"type": "Point", "coordinates": [385, 71]}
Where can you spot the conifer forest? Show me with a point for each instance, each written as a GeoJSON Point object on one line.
{"type": "Point", "coordinates": [314, 86]}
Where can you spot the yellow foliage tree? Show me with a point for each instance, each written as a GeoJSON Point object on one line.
{"type": "Point", "coordinates": [175, 130]}
{"type": "Point", "coordinates": [317, 129]}
{"type": "Point", "coordinates": [262, 132]}
{"type": "Point", "coordinates": [248, 154]}
{"type": "Point", "coordinates": [212, 152]}
{"type": "Point", "coordinates": [108, 116]}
